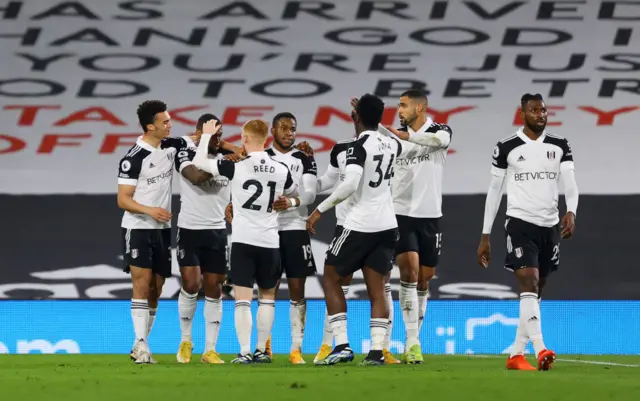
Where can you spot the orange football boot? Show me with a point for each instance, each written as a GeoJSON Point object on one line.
{"type": "Point", "coordinates": [545, 359]}
{"type": "Point", "coordinates": [519, 362]}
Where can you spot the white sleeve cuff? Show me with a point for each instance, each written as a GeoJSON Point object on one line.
{"type": "Point", "coordinates": [127, 181]}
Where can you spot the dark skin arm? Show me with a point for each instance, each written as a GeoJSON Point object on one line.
{"type": "Point", "coordinates": [195, 175]}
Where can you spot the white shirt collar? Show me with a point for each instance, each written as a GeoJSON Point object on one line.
{"type": "Point", "coordinates": [145, 145]}
{"type": "Point", "coordinates": [424, 127]}
{"type": "Point", "coordinates": [525, 138]}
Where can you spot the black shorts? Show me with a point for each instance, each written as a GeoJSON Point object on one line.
{"type": "Point", "coordinates": [147, 248]}
{"type": "Point", "coordinates": [350, 251]}
{"type": "Point", "coordinates": [204, 248]}
{"type": "Point", "coordinates": [296, 257]}
{"type": "Point", "coordinates": [250, 263]}
{"type": "Point", "coordinates": [421, 235]}
{"type": "Point", "coordinates": [529, 245]}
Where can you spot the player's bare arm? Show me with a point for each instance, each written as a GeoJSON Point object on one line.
{"type": "Point", "coordinates": [438, 139]}
{"type": "Point", "coordinates": [126, 202]}
{"type": "Point", "coordinates": [195, 175]}
{"type": "Point", "coordinates": [228, 213]}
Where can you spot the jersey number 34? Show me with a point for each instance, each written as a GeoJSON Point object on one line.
{"type": "Point", "coordinates": [380, 176]}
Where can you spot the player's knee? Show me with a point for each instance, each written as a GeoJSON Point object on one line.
{"type": "Point", "coordinates": [191, 285]}
{"type": "Point", "coordinates": [409, 275]}
{"type": "Point", "coordinates": [296, 289]}
{"type": "Point", "coordinates": [529, 283]}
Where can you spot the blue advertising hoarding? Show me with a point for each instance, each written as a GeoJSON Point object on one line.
{"type": "Point", "coordinates": [451, 327]}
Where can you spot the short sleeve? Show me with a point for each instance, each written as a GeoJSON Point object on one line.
{"type": "Point", "coordinates": [356, 154]}
{"type": "Point", "coordinates": [177, 143]}
{"type": "Point", "coordinates": [129, 170]}
{"type": "Point", "coordinates": [226, 168]}
{"type": "Point", "coordinates": [308, 163]}
{"type": "Point", "coordinates": [184, 158]}
{"type": "Point", "coordinates": [333, 156]}
{"type": "Point", "coordinates": [567, 155]}
{"type": "Point", "coordinates": [500, 156]}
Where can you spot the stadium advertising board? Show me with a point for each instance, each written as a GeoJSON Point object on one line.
{"type": "Point", "coordinates": [74, 72]}
{"type": "Point", "coordinates": [464, 327]}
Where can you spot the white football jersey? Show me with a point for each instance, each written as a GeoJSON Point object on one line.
{"type": "Point", "coordinates": [150, 170]}
{"type": "Point", "coordinates": [299, 164]}
{"type": "Point", "coordinates": [417, 180]}
{"type": "Point", "coordinates": [532, 169]}
{"type": "Point", "coordinates": [202, 206]}
{"type": "Point", "coordinates": [370, 208]}
{"type": "Point", "coordinates": [256, 182]}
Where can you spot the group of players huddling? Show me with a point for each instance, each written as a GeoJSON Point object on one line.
{"type": "Point", "coordinates": [386, 187]}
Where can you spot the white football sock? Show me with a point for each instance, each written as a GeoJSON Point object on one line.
{"type": "Point", "coordinates": [423, 296]}
{"type": "Point", "coordinates": [244, 325]}
{"type": "Point", "coordinates": [212, 319]}
{"type": "Point", "coordinates": [327, 334]}
{"type": "Point", "coordinates": [266, 314]}
{"type": "Point", "coordinates": [297, 315]}
{"type": "Point", "coordinates": [521, 339]}
{"type": "Point", "coordinates": [387, 338]}
{"type": "Point", "coordinates": [410, 312]}
{"type": "Point", "coordinates": [338, 324]}
{"type": "Point", "coordinates": [152, 319]}
{"type": "Point", "coordinates": [140, 318]}
{"type": "Point", "coordinates": [187, 304]}
{"type": "Point", "coordinates": [530, 313]}
{"type": "Point", "coordinates": [378, 328]}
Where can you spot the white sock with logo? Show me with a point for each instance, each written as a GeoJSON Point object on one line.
{"type": "Point", "coordinates": [187, 304]}
{"type": "Point", "coordinates": [530, 313]}
{"type": "Point", "coordinates": [410, 312]}
{"type": "Point", "coordinates": [338, 324]}
{"type": "Point", "coordinates": [266, 314]}
{"type": "Point", "coordinates": [244, 325]}
{"type": "Point", "coordinates": [140, 318]}
{"type": "Point", "coordinates": [387, 338]}
{"type": "Point", "coordinates": [423, 296]}
{"type": "Point", "coordinates": [152, 319]}
{"type": "Point", "coordinates": [379, 328]}
{"type": "Point", "coordinates": [297, 315]}
{"type": "Point", "coordinates": [212, 318]}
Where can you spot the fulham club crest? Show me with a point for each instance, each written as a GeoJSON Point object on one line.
{"type": "Point", "coordinates": [551, 155]}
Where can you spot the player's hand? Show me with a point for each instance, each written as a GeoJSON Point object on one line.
{"type": "Point", "coordinates": [568, 225]}
{"type": "Point", "coordinates": [354, 102]}
{"type": "Point", "coordinates": [159, 214]}
{"type": "Point", "coordinates": [211, 127]}
{"type": "Point", "coordinates": [484, 252]}
{"type": "Point", "coordinates": [228, 213]}
{"type": "Point", "coordinates": [312, 220]}
{"type": "Point", "coordinates": [305, 148]}
{"type": "Point", "coordinates": [234, 157]}
{"type": "Point", "coordinates": [282, 203]}
{"type": "Point", "coordinates": [399, 134]}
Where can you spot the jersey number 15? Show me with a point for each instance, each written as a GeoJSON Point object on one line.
{"type": "Point", "coordinates": [249, 204]}
{"type": "Point", "coordinates": [387, 175]}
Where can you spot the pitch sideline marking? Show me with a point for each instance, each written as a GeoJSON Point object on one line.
{"type": "Point", "coordinates": [624, 365]}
